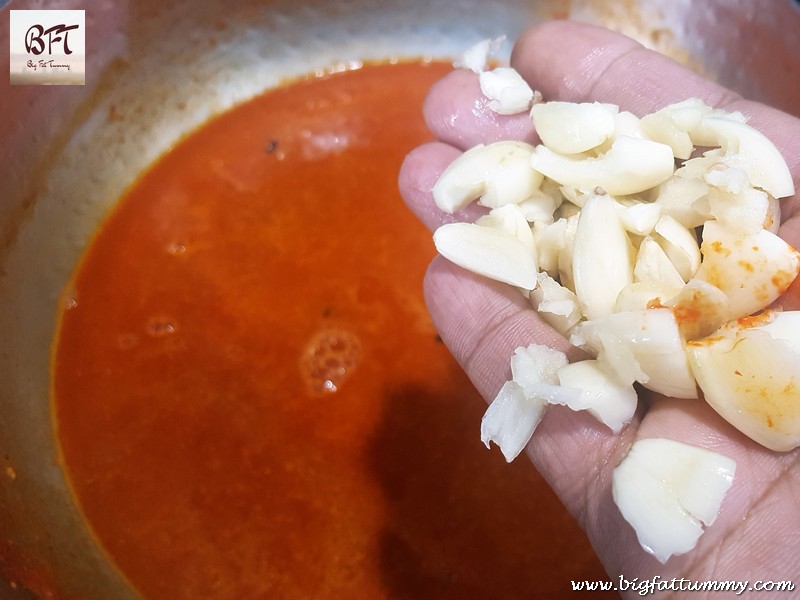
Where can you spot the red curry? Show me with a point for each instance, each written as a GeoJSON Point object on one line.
{"type": "Point", "coordinates": [251, 400]}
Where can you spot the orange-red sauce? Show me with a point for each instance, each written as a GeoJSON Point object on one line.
{"type": "Point", "coordinates": [263, 262]}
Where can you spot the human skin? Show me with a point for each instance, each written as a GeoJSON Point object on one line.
{"type": "Point", "coordinates": [757, 534]}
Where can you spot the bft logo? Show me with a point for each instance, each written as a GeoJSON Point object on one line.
{"type": "Point", "coordinates": [48, 47]}
{"type": "Point", "coordinates": [35, 38]}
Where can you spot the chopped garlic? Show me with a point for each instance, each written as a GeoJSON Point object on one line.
{"type": "Point", "coordinates": [654, 267]}
{"type": "Point", "coordinates": [488, 251]}
{"type": "Point", "coordinates": [700, 308]}
{"type": "Point", "coordinates": [602, 394]}
{"type": "Point", "coordinates": [631, 166]}
{"type": "Point", "coordinates": [508, 92]}
{"type": "Point", "coordinates": [749, 371]}
{"type": "Point", "coordinates": [495, 174]}
{"type": "Point", "coordinates": [672, 124]}
{"type": "Point", "coordinates": [511, 420]}
{"type": "Point", "coordinates": [643, 346]}
{"type": "Point", "coordinates": [476, 58]}
{"type": "Point", "coordinates": [599, 228]}
{"type": "Point", "coordinates": [510, 219]}
{"type": "Point", "coordinates": [667, 491]}
{"type": "Point", "coordinates": [680, 245]}
{"type": "Point", "coordinates": [536, 364]}
{"type": "Point", "coordinates": [752, 270]}
{"type": "Point", "coordinates": [745, 212]}
{"type": "Point", "coordinates": [638, 218]}
{"type": "Point", "coordinates": [684, 199]}
{"type": "Point", "coordinates": [763, 162]}
{"type": "Point", "coordinates": [599, 276]}
{"type": "Point", "coordinates": [557, 305]}
{"type": "Point", "coordinates": [517, 409]}
{"type": "Point", "coordinates": [569, 128]}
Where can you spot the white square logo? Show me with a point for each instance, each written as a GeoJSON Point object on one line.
{"type": "Point", "coordinates": [48, 47]}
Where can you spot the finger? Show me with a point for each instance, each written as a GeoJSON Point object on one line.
{"type": "Point", "coordinates": [419, 173]}
{"type": "Point", "coordinates": [458, 114]}
{"type": "Point", "coordinates": [574, 62]}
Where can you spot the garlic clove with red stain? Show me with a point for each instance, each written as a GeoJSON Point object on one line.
{"type": "Point", "coordinates": [752, 270]}
{"type": "Point", "coordinates": [643, 346]}
{"type": "Point", "coordinates": [699, 308]}
{"type": "Point", "coordinates": [749, 372]}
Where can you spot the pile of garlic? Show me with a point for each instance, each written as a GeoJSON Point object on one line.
{"type": "Point", "coordinates": [650, 243]}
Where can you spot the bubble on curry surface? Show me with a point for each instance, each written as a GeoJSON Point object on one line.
{"type": "Point", "coordinates": [329, 358]}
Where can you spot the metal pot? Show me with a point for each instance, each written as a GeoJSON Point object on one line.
{"type": "Point", "coordinates": [157, 70]}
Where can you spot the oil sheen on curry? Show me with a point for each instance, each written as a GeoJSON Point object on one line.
{"type": "Point", "coordinates": [250, 398]}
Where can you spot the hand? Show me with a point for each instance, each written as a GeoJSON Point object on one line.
{"type": "Point", "coordinates": [757, 535]}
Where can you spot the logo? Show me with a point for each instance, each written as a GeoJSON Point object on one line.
{"type": "Point", "coordinates": [48, 47]}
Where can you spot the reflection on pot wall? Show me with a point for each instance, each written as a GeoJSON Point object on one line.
{"type": "Point", "coordinates": [157, 70]}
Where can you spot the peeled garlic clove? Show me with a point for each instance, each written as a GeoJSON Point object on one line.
{"type": "Point", "coordinates": [631, 166]}
{"type": "Point", "coordinates": [641, 296]}
{"type": "Point", "coordinates": [682, 199]}
{"type": "Point", "coordinates": [476, 58]}
{"type": "Point", "coordinates": [549, 239]}
{"type": "Point", "coordinates": [512, 180]}
{"type": "Point", "coordinates": [509, 219]}
{"type": "Point", "coordinates": [764, 163]}
{"type": "Point", "coordinates": [752, 270]}
{"type": "Point", "coordinates": [602, 394]}
{"type": "Point", "coordinates": [773, 220]}
{"type": "Point", "coordinates": [627, 124]}
{"type": "Point", "coordinates": [539, 208]}
{"type": "Point", "coordinates": [599, 275]}
{"type": "Point", "coordinates": [654, 266]}
{"type": "Point", "coordinates": [567, 252]}
{"type": "Point", "coordinates": [639, 218]}
{"type": "Point", "coordinates": [464, 179]}
{"type": "Point", "coordinates": [749, 371]}
{"type": "Point", "coordinates": [511, 420]}
{"type": "Point", "coordinates": [517, 409]}
{"type": "Point", "coordinates": [507, 91]}
{"type": "Point", "coordinates": [487, 251]}
{"type": "Point", "coordinates": [643, 346]}
{"type": "Point", "coordinates": [536, 364]}
{"type": "Point", "coordinates": [570, 128]}
{"type": "Point", "coordinates": [660, 127]}
{"type": "Point", "coordinates": [496, 174]}
{"type": "Point", "coordinates": [680, 245]}
{"type": "Point", "coordinates": [671, 125]}
{"type": "Point", "coordinates": [746, 212]}
{"type": "Point", "coordinates": [699, 308]}
{"type": "Point", "coordinates": [667, 490]}
{"type": "Point", "coordinates": [557, 305]}
{"type": "Point", "coordinates": [727, 177]}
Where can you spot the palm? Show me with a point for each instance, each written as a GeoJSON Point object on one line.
{"type": "Point", "coordinates": [757, 533]}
